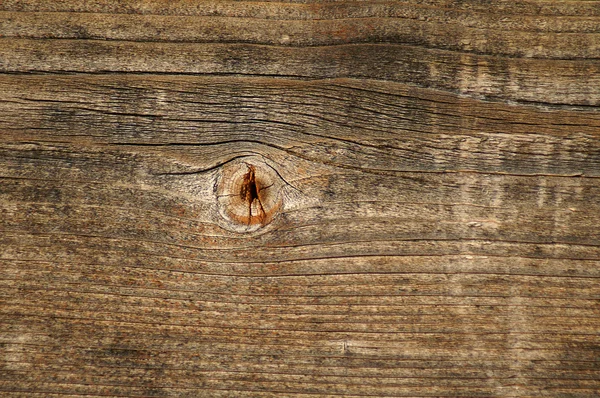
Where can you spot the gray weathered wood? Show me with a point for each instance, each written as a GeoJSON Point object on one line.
{"type": "Point", "coordinates": [235, 199]}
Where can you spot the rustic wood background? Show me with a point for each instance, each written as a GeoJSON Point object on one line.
{"type": "Point", "coordinates": [311, 199]}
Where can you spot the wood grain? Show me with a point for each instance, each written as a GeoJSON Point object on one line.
{"type": "Point", "coordinates": [422, 218]}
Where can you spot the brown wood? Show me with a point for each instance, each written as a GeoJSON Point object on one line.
{"type": "Point", "coordinates": [244, 199]}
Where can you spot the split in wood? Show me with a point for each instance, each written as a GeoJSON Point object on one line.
{"type": "Point", "coordinates": [250, 193]}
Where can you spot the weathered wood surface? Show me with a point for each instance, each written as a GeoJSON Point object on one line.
{"type": "Point", "coordinates": [235, 199]}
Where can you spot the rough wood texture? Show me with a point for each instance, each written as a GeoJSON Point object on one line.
{"type": "Point", "coordinates": [242, 199]}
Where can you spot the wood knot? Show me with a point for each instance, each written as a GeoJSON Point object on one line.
{"type": "Point", "coordinates": [249, 193]}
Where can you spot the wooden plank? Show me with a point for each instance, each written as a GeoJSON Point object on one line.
{"type": "Point", "coordinates": [546, 52]}
{"type": "Point", "coordinates": [564, 82]}
{"type": "Point", "coordinates": [264, 199]}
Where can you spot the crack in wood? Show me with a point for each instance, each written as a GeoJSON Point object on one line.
{"type": "Point", "coordinates": [250, 193]}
